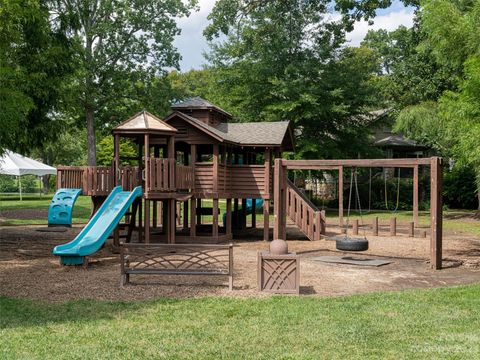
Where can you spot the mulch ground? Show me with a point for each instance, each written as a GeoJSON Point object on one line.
{"type": "Point", "coordinates": [29, 270]}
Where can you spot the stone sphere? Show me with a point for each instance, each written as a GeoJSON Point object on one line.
{"type": "Point", "coordinates": [278, 247]}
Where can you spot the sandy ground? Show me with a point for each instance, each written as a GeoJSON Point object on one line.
{"type": "Point", "coordinates": [28, 270]}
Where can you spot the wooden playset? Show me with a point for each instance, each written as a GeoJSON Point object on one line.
{"type": "Point", "coordinates": [188, 162]}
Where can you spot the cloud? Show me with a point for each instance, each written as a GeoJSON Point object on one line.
{"type": "Point", "coordinates": [191, 43]}
{"type": "Point", "coordinates": [390, 22]}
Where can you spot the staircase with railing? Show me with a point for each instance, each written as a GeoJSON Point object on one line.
{"type": "Point", "coordinates": [309, 219]}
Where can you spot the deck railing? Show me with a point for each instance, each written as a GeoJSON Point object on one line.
{"type": "Point", "coordinates": [165, 176]}
{"type": "Point", "coordinates": [304, 213]}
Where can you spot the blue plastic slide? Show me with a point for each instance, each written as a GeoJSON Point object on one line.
{"type": "Point", "coordinates": [60, 210]}
{"type": "Point", "coordinates": [100, 226]}
{"type": "Point", "coordinates": [258, 205]}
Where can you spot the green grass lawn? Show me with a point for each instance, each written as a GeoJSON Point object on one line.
{"type": "Point", "coordinates": [422, 324]}
{"type": "Point", "coordinates": [454, 220]}
{"type": "Point", "coordinates": [81, 210]}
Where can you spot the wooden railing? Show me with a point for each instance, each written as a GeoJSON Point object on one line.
{"type": "Point", "coordinates": [184, 177]}
{"type": "Point", "coordinates": [304, 213]}
{"type": "Point", "coordinates": [70, 177]}
{"type": "Point", "coordinates": [234, 180]}
{"type": "Point", "coordinates": [165, 175]}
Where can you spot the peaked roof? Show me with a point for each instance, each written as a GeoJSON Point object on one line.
{"type": "Point", "coordinates": [246, 134]}
{"type": "Point", "coordinates": [198, 103]}
{"type": "Point", "coordinates": [144, 122]}
{"type": "Point", "coordinates": [15, 164]}
{"type": "Point", "coordinates": [397, 141]}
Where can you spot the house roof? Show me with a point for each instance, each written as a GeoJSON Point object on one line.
{"type": "Point", "coordinates": [198, 103]}
{"type": "Point", "coordinates": [256, 133]}
{"type": "Point", "coordinates": [245, 134]}
{"type": "Point", "coordinates": [398, 141]}
{"type": "Point", "coordinates": [144, 122]}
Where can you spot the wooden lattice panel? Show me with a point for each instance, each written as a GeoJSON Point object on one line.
{"type": "Point", "coordinates": [279, 273]}
{"type": "Point", "coordinates": [176, 259]}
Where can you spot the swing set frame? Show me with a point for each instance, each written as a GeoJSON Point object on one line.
{"type": "Point", "coordinates": [436, 213]}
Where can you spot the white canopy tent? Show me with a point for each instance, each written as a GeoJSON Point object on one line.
{"type": "Point", "coordinates": [17, 165]}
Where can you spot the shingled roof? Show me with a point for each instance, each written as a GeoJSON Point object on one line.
{"type": "Point", "coordinates": [397, 141]}
{"type": "Point", "coordinates": [144, 122]}
{"type": "Point", "coordinates": [256, 133]}
{"type": "Point", "coordinates": [247, 134]}
{"type": "Point", "coordinates": [198, 103]}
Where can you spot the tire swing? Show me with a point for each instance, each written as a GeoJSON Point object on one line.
{"type": "Point", "coordinates": [348, 243]}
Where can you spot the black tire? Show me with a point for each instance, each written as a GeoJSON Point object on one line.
{"type": "Point", "coordinates": [352, 244]}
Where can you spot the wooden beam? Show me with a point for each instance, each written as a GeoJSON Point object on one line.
{"type": "Point", "coordinates": [266, 220]}
{"type": "Point", "coordinates": [279, 230]}
{"type": "Point", "coordinates": [193, 218]}
{"type": "Point", "coordinates": [321, 164]}
{"type": "Point", "coordinates": [254, 213]}
{"type": "Point", "coordinates": [228, 220]}
{"type": "Point", "coordinates": [147, 221]}
{"type": "Point", "coordinates": [340, 195]}
{"type": "Point", "coordinates": [215, 167]}
{"type": "Point", "coordinates": [415, 195]}
{"type": "Point", "coordinates": [436, 213]}
{"type": "Point", "coordinates": [215, 218]}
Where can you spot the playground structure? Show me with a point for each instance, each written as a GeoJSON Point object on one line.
{"type": "Point", "coordinates": [196, 157]}
{"type": "Point", "coordinates": [288, 204]}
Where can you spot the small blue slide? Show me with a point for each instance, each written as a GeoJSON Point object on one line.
{"type": "Point", "coordinates": [100, 226]}
{"type": "Point", "coordinates": [60, 210]}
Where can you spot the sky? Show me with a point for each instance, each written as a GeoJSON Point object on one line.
{"type": "Point", "coordinates": [191, 44]}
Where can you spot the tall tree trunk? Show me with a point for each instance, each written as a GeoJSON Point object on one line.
{"type": "Point", "coordinates": [46, 183]}
{"type": "Point", "coordinates": [91, 144]}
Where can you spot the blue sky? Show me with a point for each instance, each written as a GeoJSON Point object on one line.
{"type": "Point", "coordinates": [191, 43]}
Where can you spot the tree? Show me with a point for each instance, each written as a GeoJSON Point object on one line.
{"type": "Point", "coordinates": [34, 62]}
{"type": "Point", "coordinates": [120, 43]}
{"type": "Point", "coordinates": [285, 60]}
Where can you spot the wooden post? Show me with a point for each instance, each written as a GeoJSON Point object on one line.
{"type": "Point", "coordinates": [375, 226]}
{"type": "Point", "coordinates": [215, 219]}
{"type": "Point", "coordinates": [116, 151]}
{"type": "Point", "coordinates": [355, 227]}
{"type": "Point", "coordinates": [244, 212]}
{"type": "Point", "coordinates": [147, 221]}
{"type": "Point", "coordinates": [323, 222]}
{"type": "Point", "coordinates": [411, 229]}
{"type": "Point", "coordinates": [415, 195]}
{"type": "Point", "coordinates": [254, 213]}
{"type": "Point", "coordinates": [193, 218]}
{"type": "Point", "coordinates": [423, 234]}
{"type": "Point", "coordinates": [393, 226]}
{"type": "Point", "coordinates": [266, 220]}
{"type": "Point", "coordinates": [235, 211]}
{"type": "Point", "coordinates": [436, 213]}
{"type": "Point", "coordinates": [199, 211]}
{"type": "Point", "coordinates": [147, 188]}
{"type": "Point", "coordinates": [185, 215]}
{"type": "Point", "coordinates": [228, 220]}
{"type": "Point", "coordinates": [172, 220]}
{"type": "Point", "coordinates": [279, 230]}
{"type": "Point", "coordinates": [340, 195]}
{"type": "Point", "coordinates": [215, 168]}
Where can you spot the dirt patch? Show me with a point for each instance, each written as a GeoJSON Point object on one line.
{"type": "Point", "coordinates": [29, 270]}
{"type": "Point", "coordinates": [24, 214]}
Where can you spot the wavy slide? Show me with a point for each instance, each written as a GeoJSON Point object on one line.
{"type": "Point", "coordinates": [100, 226]}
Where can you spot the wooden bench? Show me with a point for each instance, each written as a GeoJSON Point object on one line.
{"type": "Point", "coordinates": [176, 259]}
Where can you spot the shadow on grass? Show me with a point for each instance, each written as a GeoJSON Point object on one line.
{"type": "Point", "coordinates": [19, 313]}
